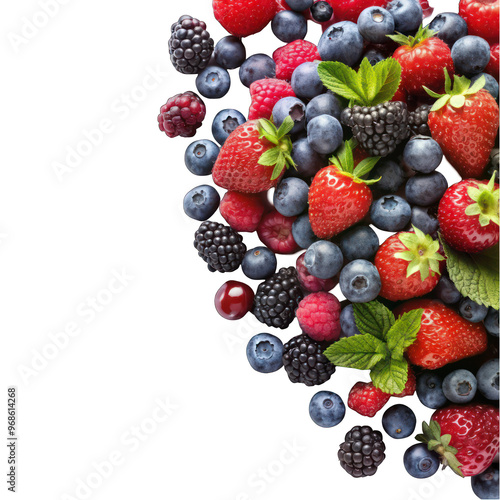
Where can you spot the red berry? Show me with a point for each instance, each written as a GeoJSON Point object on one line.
{"type": "Point", "coordinates": [310, 282]}
{"type": "Point", "coordinates": [493, 66]}
{"type": "Point", "coordinates": [233, 300]}
{"type": "Point", "coordinates": [481, 17]}
{"type": "Point", "coordinates": [293, 54]}
{"type": "Point", "coordinates": [319, 316]}
{"type": "Point", "coordinates": [242, 211]}
{"type": "Point", "coordinates": [182, 115]}
{"type": "Point", "coordinates": [366, 399]}
{"type": "Point", "coordinates": [275, 231]}
{"type": "Point", "coordinates": [265, 94]}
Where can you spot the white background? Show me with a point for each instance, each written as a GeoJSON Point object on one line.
{"type": "Point", "coordinates": [159, 338]}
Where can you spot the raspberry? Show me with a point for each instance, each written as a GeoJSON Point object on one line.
{"type": "Point", "coordinates": [182, 115]}
{"type": "Point", "coordinates": [493, 66]}
{"type": "Point", "coordinates": [242, 211]}
{"type": "Point", "coordinates": [319, 316]}
{"type": "Point", "coordinates": [265, 94]}
{"type": "Point", "coordinates": [293, 54]}
{"type": "Point", "coordinates": [275, 231]}
{"type": "Point", "coordinates": [310, 282]}
{"type": "Point", "coordinates": [366, 399]}
{"type": "Point", "coordinates": [410, 387]}
{"type": "Point", "coordinates": [426, 8]}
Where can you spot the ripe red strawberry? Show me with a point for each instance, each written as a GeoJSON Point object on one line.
{"type": "Point", "coordinates": [444, 336]}
{"type": "Point", "coordinates": [275, 231]}
{"type": "Point", "coordinates": [366, 399]}
{"type": "Point", "coordinates": [408, 264]}
{"type": "Point", "coordinates": [242, 211]}
{"type": "Point", "coordinates": [468, 215]}
{"type": "Point", "coordinates": [265, 94]}
{"type": "Point", "coordinates": [293, 54]}
{"type": "Point", "coordinates": [244, 18]}
{"type": "Point", "coordinates": [481, 17]}
{"type": "Point", "coordinates": [422, 60]}
{"type": "Point", "coordinates": [493, 66]}
{"type": "Point", "coordinates": [464, 122]}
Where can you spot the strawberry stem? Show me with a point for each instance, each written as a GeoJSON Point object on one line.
{"type": "Point", "coordinates": [485, 198]}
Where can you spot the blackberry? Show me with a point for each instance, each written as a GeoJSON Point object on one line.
{"type": "Point", "coordinates": [277, 298]}
{"type": "Point", "coordinates": [378, 129]}
{"type": "Point", "coordinates": [417, 120]}
{"type": "Point", "coordinates": [219, 246]}
{"type": "Point", "coordinates": [362, 451]}
{"type": "Point", "coordinates": [305, 362]}
{"type": "Point", "coordinates": [190, 45]}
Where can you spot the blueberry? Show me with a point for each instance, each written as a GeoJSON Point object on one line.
{"type": "Point", "coordinates": [426, 189]}
{"type": "Point", "coordinates": [290, 106]}
{"type": "Point", "coordinates": [201, 202]}
{"type": "Point", "coordinates": [446, 291]}
{"type": "Point", "coordinates": [460, 386]}
{"type": "Point", "coordinates": [200, 157]}
{"type": "Point", "coordinates": [326, 409]}
{"type": "Point", "coordinates": [420, 462]}
{"type": "Point", "coordinates": [485, 485]}
{"type": "Point", "coordinates": [422, 154]}
{"type": "Point", "coordinates": [425, 219]}
{"type": "Point", "coordinates": [390, 213]}
{"type": "Point", "coordinates": [360, 281]}
{"type": "Point", "coordinates": [360, 242]}
{"type": "Point", "coordinates": [430, 389]}
{"type": "Point", "coordinates": [348, 323]}
{"type": "Point", "coordinates": [324, 133]}
{"type": "Point", "coordinates": [299, 5]}
{"type": "Point", "coordinates": [213, 82]}
{"type": "Point", "coordinates": [375, 23]}
{"type": "Point", "coordinates": [470, 55]}
{"type": "Point", "coordinates": [374, 56]}
{"type": "Point", "coordinates": [391, 176]}
{"type": "Point", "coordinates": [491, 322]}
{"type": "Point", "coordinates": [323, 259]}
{"type": "Point", "coordinates": [225, 122]}
{"type": "Point", "coordinates": [230, 52]}
{"type": "Point", "coordinates": [491, 84]}
{"type": "Point", "coordinates": [307, 161]}
{"type": "Point", "coordinates": [399, 421]}
{"type": "Point", "coordinates": [324, 104]}
{"type": "Point", "coordinates": [487, 379]}
{"type": "Point", "coordinates": [257, 67]}
{"type": "Point", "coordinates": [341, 42]}
{"type": "Point", "coordinates": [321, 11]}
{"type": "Point", "coordinates": [449, 26]}
{"type": "Point", "coordinates": [306, 82]}
{"type": "Point", "coordinates": [265, 353]}
{"type": "Point", "coordinates": [289, 26]}
{"type": "Point", "coordinates": [472, 311]}
{"type": "Point", "coordinates": [408, 15]}
{"type": "Point", "coordinates": [290, 196]}
{"type": "Point", "coordinates": [259, 263]}
{"type": "Point", "coordinates": [302, 231]}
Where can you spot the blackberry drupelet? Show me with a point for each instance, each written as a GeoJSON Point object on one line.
{"type": "Point", "coordinates": [190, 46]}
{"type": "Point", "coordinates": [378, 129]}
{"type": "Point", "coordinates": [277, 298]}
{"type": "Point", "coordinates": [219, 246]}
{"type": "Point", "coordinates": [417, 120]}
{"type": "Point", "coordinates": [362, 451]}
{"type": "Point", "coordinates": [305, 362]}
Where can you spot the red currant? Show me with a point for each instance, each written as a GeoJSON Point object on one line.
{"type": "Point", "coordinates": [233, 300]}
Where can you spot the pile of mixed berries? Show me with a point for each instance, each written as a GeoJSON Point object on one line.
{"type": "Point", "coordinates": [345, 136]}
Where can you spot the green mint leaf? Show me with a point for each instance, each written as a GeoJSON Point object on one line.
{"type": "Point", "coordinates": [368, 80]}
{"type": "Point", "coordinates": [373, 318]}
{"type": "Point", "coordinates": [365, 166]}
{"type": "Point", "coordinates": [342, 80]}
{"type": "Point", "coordinates": [269, 157]}
{"type": "Point", "coordinates": [388, 74]}
{"type": "Point", "coordinates": [285, 127]}
{"type": "Point", "coordinates": [390, 375]}
{"type": "Point", "coordinates": [404, 332]}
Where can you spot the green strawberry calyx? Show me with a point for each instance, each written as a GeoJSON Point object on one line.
{"type": "Point", "coordinates": [431, 436]}
{"type": "Point", "coordinates": [280, 156]}
{"type": "Point", "coordinates": [485, 202]}
{"type": "Point", "coordinates": [410, 41]}
{"type": "Point", "coordinates": [422, 254]}
{"type": "Point", "coordinates": [457, 94]}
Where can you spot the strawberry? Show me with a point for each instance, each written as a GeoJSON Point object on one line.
{"type": "Point", "coordinates": [481, 17]}
{"type": "Point", "coordinates": [468, 215]}
{"type": "Point", "coordinates": [244, 18]}
{"type": "Point", "coordinates": [246, 159]}
{"type": "Point", "coordinates": [444, 336]}
{"type": "Point", "coordinates": [293, 54]}
{"type": "Point", "coordinates": [366, 399]}
{"type": "Point", "coordinates": [242, 211]}
{"type": "Point", "coordinates": [493, 65]}
{"type": "Point", "coordinates": [464, 122]}
{"type": "Point", "coordinates": [422, 58]}
{"type": "Point", "coordinates": [265, 94]}
{"type": "Point", "coordinates": [408, 264]}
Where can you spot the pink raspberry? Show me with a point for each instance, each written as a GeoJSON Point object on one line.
{"type": "Point", "coordinates": [275, 231]}
{"type": "Point", "coordinates": [319, 316]}
{"type": "Point", "coordinates": [182, 115]}
{"type": "Point", "coordinates": [310, 282]}
{"type": "Point", "coordinates": [242, 211]}
{"type": "Point", "coordinates": [293, 54]}
{"type": "Point", "coordinates": [265, 94]}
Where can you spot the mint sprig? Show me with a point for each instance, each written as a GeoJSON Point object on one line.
{"type": "Point", "coordinates": [381, 346]}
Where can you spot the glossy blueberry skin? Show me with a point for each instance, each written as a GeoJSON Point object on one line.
{"type": "Point", "coordinates": [446, 291]}
{"type": "Point", "coordinates": [201, 202]}
{"type": "Point", "coordinates": [259, 263]}
{"type": "Point", "coordinates": [391, 176]}
{"type": "Point", "coordinates": [449, 26]}
{"type": "Point", "coordinates": [485, 485]}
{"type": "Point", "coordinates": [491, 322]}
{"type": "Point", "coordinates": [420, 462]}
{"type": "Point", "coordinates": [265, 353]}
{"type": "Point", "coordinates": [374, 56]}
{"type": "Point", "coordinates": [375, 23]}
{"type": "Point", "coordinates": [225, 122]}
{"type": "Point", "coordinates": [360, 242]}
{"type": "Point", "coordinates": [360, 281]}
{"type": "Point", "coordinates": [408, 15]}
{"type": "Point", "coordinates": [213, 82]}
{"type": "Point", "coordinates": [299, 5]}
{"type": "Point", "coordinates": [321, 12]}
{"type": "Point", "coordinates": [290, 106]}
{"type": "Point", "coordinates": [341, 42]}
{"type": "Point", "coordinates": [307, 162]}
{"type": "Point", "coordinates": [426, 189]}
{"type": "Point", "coordinates": [390, 213]}
{"type": "Point", "coordinates": [491, 84]}
{"type": "Point", "coordinates": [324, 104]}
{"type": "Point", "coordinates": [430, 389]}
{"type": "Point", "coordinates": [348, 323]}
{"type": "Point", "coordinates": [422, 218]}
{"type": "Point", "coordinates": [230, 53]}
{"type": "Point", "coordinates": [306, 82]}
{"type": "Point", "coordinates": [460, 386]}
{"type": "Point", "coordinates": [472, 311]}
{"type": "Point", "coordinates": [422, 154]}
{"type": "Point", "coordinates": [302, 232]}
{"type": "Point", "coordinates": [257, 67]}
{"type": "Point", "coordinates": [399, 421]}
{"type": "Point", "coordinates": [487, 379]}
{"type": "Point", "coordinates": [290, 196]}
{"type": "Point", "coordinates": [289, 26]}
{"type": "Point", "coordinates": [323, 259]}
{"type": "Point", "coordinates": [470, 55]}
{"type": "Point", "coordinates": [325, 134]}
{"type": "Point", "coordinates": [326, 409]}
{"type": "Point", "coordinates": [200, 157]}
